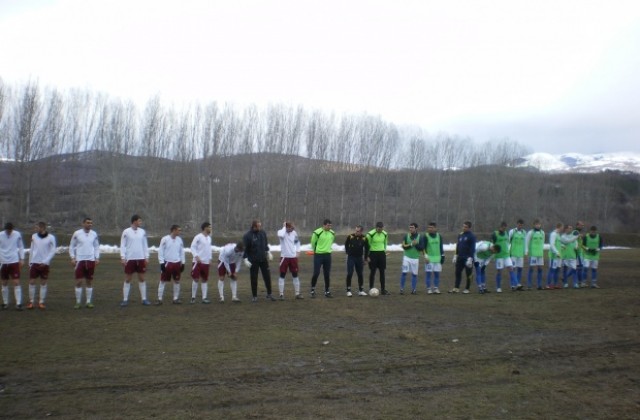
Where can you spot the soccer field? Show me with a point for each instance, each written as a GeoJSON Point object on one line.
{"type": "Point", "coordinates": [531, 354]}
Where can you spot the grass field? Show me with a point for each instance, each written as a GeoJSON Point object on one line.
{"type": "Point", "coordinates": [537, 354]}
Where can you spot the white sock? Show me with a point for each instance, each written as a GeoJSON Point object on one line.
{"type": "Point", "coordinates": [143, 290]}
{"type": "Point", "coordinates": [221, 288]}
{"type": "Point", "coordinates": [296, 285]}
{"type": "Point", "coordinates": [205, 289]}
{"type": "Point", "coordinates": [43, 292]}
{"type": "Point", "coordinates": [89, 294]}
{"type": "Point", "coordinates": [176, 291]}
{"type": "Point", "coordinates": [281, 285]}
{"type": "Point", "coordinates": [32, 292]}
{"type": "Point", "coordinates": [5, 295]}
{"type": "Point", "coordinates": [125, 291]}
{"type": "Point", "coordinates": [160, 290]}
{"type": "Point", "coordinates": [17, 292]}
{"type": "Point", "coordinates": [194, 289]}
{"type": "Point", "coordinates": [79, 294]}
{"type": "Point", "coordinates": [234, 289]}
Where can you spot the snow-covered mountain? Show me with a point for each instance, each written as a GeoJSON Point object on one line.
{"type": "Point", "coordinates": [577, 162]}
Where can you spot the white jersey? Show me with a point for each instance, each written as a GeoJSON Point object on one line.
{"type": "Point", "coordinates": [11, 247]}
{"type": "Point", "coordinates": [201, 248]}
{"type": "Point", "coordinates": [289, 243]}
{"type": "Point", "coordinates": [171, 250]}
{"type": "Point", "coordinates": [134, 245]}
{"type": "Point", "coordinates": [84, 246]}
{"type": "Point", "coordinates": [483, 247]}
{"type": "Point", "coordinates": [42, 249]}
{"type": "Point", "coordinates": [228, 256]}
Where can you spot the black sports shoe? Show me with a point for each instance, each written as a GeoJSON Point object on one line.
{"type": "Point", "coordinates": [385, 292]}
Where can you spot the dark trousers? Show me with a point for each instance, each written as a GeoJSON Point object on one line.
{"type": "Point", "coordinates": [324, 261]}
{"type": "Point", "coordinates": [263, 266]}
{"type": "Point", "coordinates": [357, 264]}
{"type": "Point", "coordinates": [460, 265]}
{"type": "Point", "coordinates": [377, 261]}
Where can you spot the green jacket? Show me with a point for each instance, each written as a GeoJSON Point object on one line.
{"type": "Point", "coordinates": [376, 241]}
{"type": "Point", "coordinates": [322, 240]}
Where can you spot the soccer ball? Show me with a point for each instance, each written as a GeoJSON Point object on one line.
{"type": "Point", "coordinates": [374, 292]}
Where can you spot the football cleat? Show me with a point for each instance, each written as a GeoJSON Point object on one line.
{"type": "Point", "coordinates": [349, 294]}
{"type": "Point", "coordinates": [89, 305]}
{"type": "Point", "coordinates": [145, 302]}
{"type": "Point", "coordinates": [299, 296]}
{"type": "Point", "coordinates": [42, 306]}
{"type": "Point", "coordinates": [30, 305]}
{"type": "Point", "coordinates": [205, 301]}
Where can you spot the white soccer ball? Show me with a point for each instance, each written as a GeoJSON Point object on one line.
{"type": "Point", "coordinates": [374, 292]}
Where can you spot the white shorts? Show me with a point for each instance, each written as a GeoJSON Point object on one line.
{"type": "Point", "coordinates": [590, 264]}
{"type": "Point", "coordinates": [410, 264]}
{"type": "Point", "coordinates": [503, 262]}
{"type": "Point", "coordinates": [517, 261]}
{"type": "Point", "coordinates": [536, 261]}
{"type": "Point", "coordinates": [432, 267]}
{"type": "Point", "coordinates": [570, 263]}
{"type": "Point", "coordinates": [555, 263]}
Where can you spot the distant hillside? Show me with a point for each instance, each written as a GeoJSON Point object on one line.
{"type": "Point", "coordinates": [577, 162]}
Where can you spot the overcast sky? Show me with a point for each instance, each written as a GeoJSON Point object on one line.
{"type": "Point", "coordinates": [556, 75]}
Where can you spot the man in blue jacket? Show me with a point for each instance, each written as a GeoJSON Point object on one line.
{"type": "Point", "coordinates": [465, 251]}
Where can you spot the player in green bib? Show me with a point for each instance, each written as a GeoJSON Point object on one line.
{"type": "Point", "coordinates": [412, 246]}
{"type": "Point", "coordinates": [517, 237]}
{"type": "Point", "coordinates": [569, 254]}
{"type": "Point", "coordinates": [592, 244]}
{"type": "Point", "coordinates": [433, 257]}
{"type": "Point", "coordinates": [534, 248]}
{"type": "Point", "coordinates": [501, 237]}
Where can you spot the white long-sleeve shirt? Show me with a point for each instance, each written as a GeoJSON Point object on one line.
{"type": "Point", "coordinates": [201, 248]}
{"type": "Point", "coordinates": [171, 250]}
{"type": "Point", "coordinates": [228, 256]}
{"type": "Point", "coordinates": [134, 245]}
{"type": "Point", "coordinates": [552, 242]}
{"type": "Point", "coordinates": [11, 247]}
{"type": "Point", "coordinates": [84, 246]}
{"type": "Point", "coordinates": [289, 243]}
{"type": "Point", "coordinates": [42, 249]}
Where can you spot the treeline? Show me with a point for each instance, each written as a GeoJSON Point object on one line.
{"type": "Point", "coordinates": [78, 153]}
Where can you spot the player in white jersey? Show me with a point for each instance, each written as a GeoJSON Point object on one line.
{"type": "Point", "coordinates": [201, 251]}
{"type": "Point", "coordinates": [43, 248]}
{"type": "Point", "coordinates": [171, 259]}
{"type": "Point", "coordinates": [229, 264]}
{"type": "Point", "coordinates": [289, 252]}
{"type": "Point", "coordinates": [84, 250]}
{"type": "Point", "coordinates": [11, 261]}
{"type": "Point", "coordinates": [134, 256]}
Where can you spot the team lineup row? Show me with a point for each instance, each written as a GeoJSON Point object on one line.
{"type": "Point", "coordinates": [569, 249]}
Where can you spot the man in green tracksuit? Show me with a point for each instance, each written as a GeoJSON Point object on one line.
{"type": "Point", "coordinates": [321, 242]}
{"type": "Point", "coordinates": [376, 255]}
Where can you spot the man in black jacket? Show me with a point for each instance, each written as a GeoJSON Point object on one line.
{"type": "Point", "coordinates": [354, 247]}
{"type": "Point", "coordinates": [256, 257]}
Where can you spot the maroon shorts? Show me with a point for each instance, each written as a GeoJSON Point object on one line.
{"type": "Point", "coordinates": [135, 266]}
{"type": "Point", "coordinates": [288, 263]}
{"type": "Point", "coordinates": [171, 271]}
{"type": "Point", "coordinates": [10, 271]}
{"type": "Point", "coordinates": [85, 269]}
{"type": "Point", "coordinates": [222, 270]}
{"type": "Point", "coordinates": [39, 270]}
{"type": "Point", "coordinates": [200, 271]}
